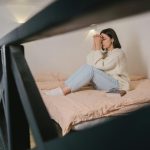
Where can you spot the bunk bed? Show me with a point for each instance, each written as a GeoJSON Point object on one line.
{"type": "Point", "coordinates": [22, 108]}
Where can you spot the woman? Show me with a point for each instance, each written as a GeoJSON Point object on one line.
{"type": "Point", "coordinates": [105, 68]}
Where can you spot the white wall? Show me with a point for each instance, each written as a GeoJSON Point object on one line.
{"type": "Point", "coordinates": [14, 12]}
{"type": "Point", "coordinates": [6, 22]}
{"type": "Point", "coordinates": [65, 53]}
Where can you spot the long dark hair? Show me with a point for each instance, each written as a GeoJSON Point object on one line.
{"type": "Point", "coordinates": [112, 34]}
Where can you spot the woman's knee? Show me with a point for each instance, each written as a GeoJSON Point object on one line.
{"type": "Point", "coordinates": [87, 66]}
{"type": "Point", "coordinates": [98, 70]}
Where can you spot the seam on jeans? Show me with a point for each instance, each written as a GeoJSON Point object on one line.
{"type": "Point", "coordinates": [91, 70]}
{"type": "Point", "coordinates": [79, 73]}
{"type": "Point", "coordinates": [111, 79]}
{"type": "Point", "coordinates": [75, 76]}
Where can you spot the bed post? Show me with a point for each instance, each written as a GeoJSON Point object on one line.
{"type": "Point", "coordinates": [41, 124]}
{"type": "Point", "coordinates": [17, 129]}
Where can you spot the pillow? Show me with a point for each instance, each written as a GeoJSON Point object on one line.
{"type": "Point", "coordinates": [134, 84]}
{"type": "Point", "coordinates": [135, 80]}
{"type": "Point", "coordinates": [137, 77]}
{"type": "Point", "coordinates": [49, 76]}
{"type": "Point", "coordinates": [48, 85]}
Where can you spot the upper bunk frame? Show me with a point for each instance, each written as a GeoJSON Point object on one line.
{"type": "Point", "coordinates": [68, 15]}
{"type": "Point", "coordinates": [21, 105]}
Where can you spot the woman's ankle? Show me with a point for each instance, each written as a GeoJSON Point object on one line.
{"type": "Point", "coordinates": [66, 90]}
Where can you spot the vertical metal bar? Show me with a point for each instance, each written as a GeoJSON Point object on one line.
{"type": "Point", "coordinates": [43, 128]}
{"type": "Point", "coordinates": [2, 129]}
{"type": "Point", "coordinates": [2, 114]}
{"type": "Point", "coordinates": [17, 125]}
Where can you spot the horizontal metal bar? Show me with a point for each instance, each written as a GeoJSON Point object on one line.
{"type": "Point", "coordinates": [68, 15]}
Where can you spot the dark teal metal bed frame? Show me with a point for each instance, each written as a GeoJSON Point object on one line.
{"type": "Point", "coordinates": [21, 106]}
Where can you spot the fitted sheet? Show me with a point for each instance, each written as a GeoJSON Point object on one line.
{"type": "Point", "coordinates": [120, 112]}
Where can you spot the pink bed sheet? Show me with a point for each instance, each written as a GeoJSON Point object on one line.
{"type": "Point", "coordinates": [90, 104]}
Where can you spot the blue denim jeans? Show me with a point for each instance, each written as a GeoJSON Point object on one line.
{"type": "Point", "coordinates": [88, 74]}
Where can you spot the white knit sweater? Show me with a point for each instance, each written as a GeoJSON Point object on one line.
{"type": "Point", "coordinates": [114, 65]}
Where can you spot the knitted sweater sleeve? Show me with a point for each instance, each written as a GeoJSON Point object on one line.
{"type": "Point", "coordinates": [109, 62]}
{"type": "Point", "coordinates": [92, 57]}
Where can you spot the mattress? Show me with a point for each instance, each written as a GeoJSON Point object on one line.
{"type": "Point", "coordinates": [88, 104]}
{"type": "Point", "coordinates": [120, 112]}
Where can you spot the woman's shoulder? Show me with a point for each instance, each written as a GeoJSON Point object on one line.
{"type": "Point", "coordinates": [119, 52]}
{"type": "Point", "coordinates": [94, 52]}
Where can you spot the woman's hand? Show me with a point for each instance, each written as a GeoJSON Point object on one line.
{"type": "Point", "coordinates": [97, 40]}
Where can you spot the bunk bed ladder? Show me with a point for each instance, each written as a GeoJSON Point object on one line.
{"type": "Point", "coordinates": [22, 103]}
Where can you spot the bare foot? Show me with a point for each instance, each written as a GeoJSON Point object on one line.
{"type": "Point", "coordinates": [66, 90]}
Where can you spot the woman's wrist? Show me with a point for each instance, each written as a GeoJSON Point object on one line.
{"type": "Point", "coordinates": [97, 46]}
{"type": "Point", "coordinates": [97, 42]}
